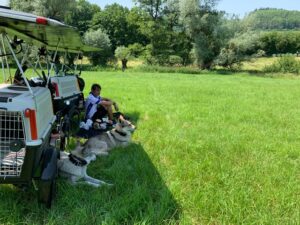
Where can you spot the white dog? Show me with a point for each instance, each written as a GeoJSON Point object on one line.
{"type": "Point", "coordinates": [74, 165]}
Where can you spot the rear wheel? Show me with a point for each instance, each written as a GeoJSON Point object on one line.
{"type": "Point", "coordinates": [47, 192]}
{"type": "Point", "coordinates": [47, 183]}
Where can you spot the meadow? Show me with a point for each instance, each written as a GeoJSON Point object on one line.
{"type": "Point", "coordinates": [208, 149]}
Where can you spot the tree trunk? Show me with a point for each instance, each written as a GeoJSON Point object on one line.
{"type": "Point", "coordinates": [124, 64]}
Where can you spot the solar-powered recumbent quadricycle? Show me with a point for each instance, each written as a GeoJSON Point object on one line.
{"type": "Point", "coordinates": [32, 110]}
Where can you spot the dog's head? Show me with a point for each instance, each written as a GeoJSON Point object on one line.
{"type": "Point", "coordinates": [83, 152]}
{"type": "Point", "coordinates": [125, 126]}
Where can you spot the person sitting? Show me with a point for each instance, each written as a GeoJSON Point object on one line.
{"type": "Point", "coordinates": [98, 107]}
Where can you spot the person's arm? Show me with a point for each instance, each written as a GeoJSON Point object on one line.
{"type": "Point", "coordinates": [109, 102]}
{"type": "Point", "coordinates": [106, 99]}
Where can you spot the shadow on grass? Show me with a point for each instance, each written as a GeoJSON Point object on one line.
{"type": "Point", "coordinates": [139, 195]}
{"type": "Point", "coordinates": [133, 117]}
{"type": "Point", "coordinates": [233, 72]}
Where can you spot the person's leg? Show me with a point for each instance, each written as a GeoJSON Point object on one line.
{"type": "Point", "coordinates": [109, 112]}
{"type": "Point", "coordinates": [100, 113]}
{"type": "Point", "coordinates": [108, 107]}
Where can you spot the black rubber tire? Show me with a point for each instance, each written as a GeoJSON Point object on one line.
{"type": "Point", "coordinates": [49, 172]}
{"type": "Point", "coordinates": [47, 192]}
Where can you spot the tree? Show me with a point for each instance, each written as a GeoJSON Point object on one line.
{"type": "Point", "coordinates": [82, 14]}
{"type": "Point", "coordinates": [272, 19]}
{"type": "Point", "coordinates": [124, 54]}
{"type": "Point", "coordinates": [203, 26]}
{"type": "Point", "coordinates": [22, 5]}
{"type": "Point", "coordinates": [114, 21]}
{"type": "Point", "coordinates": [99, 39]}
{"type": "Point", "coordinates": [157, 19]}
{"type": "Point", "coordinates": [153, 7]}
{"type": "Point", "coordinates": [55, 9]}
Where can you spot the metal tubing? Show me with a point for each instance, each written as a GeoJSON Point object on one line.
{"type": "Point", "coordinates": [52, 63]}
{"type": "Point", "coordinates": [19, 66]}
{"type": "Point", "coordinates": [3, 69]}
{"type": "Point", "coordinates": [5, 57]}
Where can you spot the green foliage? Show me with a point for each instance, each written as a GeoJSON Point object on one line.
{"type": "Point", "coordinates": [229, 57]}
{"type": "Point", "coordinates": [136, 49]}
{"type": "Point", "coordinates": [82, 14]}
{"type": "Point", "coordinates": [175, 60]}
{"type": "Point", "coordinates": [258, 43]}
{"type": "Point", "coordinates": [147, 55]}
{"type": "Point", "coordinates": [157, 19]}
{"type": "Point", "coordinates": [55, 9]}
{"type": "Point", "coordinates": [99, 39]}
{"type": "Point", "coordinates": [268, 19]}
{"type": "Point", "coordinates": [232, 25]}
{"type": "Point", "coordinates": [153, 7]}
{"type": "Point", "coordinates": [123, 53]}
{"type": "Point", "coordinates": [138, 26]}
{"type": "Point", "coordinates": [203, 24]}
{"type": "Point", "coordinates": [114, 21]}
{"type": "Point", "coordinates": [22, 5]}
{"type": "Point", "coordinates": [285, 64]}
{"type": "Point", "coordinates": [280, 42]}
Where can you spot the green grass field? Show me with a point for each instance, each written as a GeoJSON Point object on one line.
{"type": "Point", "coordinates": [209, 149]}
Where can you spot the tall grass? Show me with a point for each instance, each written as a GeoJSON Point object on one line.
{"type": "Point", "coordinates": [166, 69]}
{"type": "Point", "coordinates": [209, 149]}
{"type": "Point", "coordinates": [285, 64]}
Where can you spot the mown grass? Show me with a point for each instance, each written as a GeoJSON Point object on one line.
{"type": "Point", "coordinates": [209, 149]}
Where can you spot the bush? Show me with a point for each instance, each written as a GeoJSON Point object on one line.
{"type": "Point", "coordinates": [136, 49]}
{"type": "Point", "coordinates": [175, 60]}
{"type": "Point", "coordinates": [167, 69]}
{"type": "Point", "coordinates": [101, 40]}
{"type": "Point", "coordinates": [228, 57]}
{"type": "Point", "coordinates": [285, 64]}
{"type": "Point", "coordinates": [260, 53]}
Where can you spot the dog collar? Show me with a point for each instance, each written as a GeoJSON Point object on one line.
{"type": "Point", "coordinates": [77, 161]}
{"type": "Point", "coordinates": [121, 133]}
{"type": "Point", "coordinates": [112, 133]}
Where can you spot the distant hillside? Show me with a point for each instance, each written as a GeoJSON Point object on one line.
{"type": "Point", "coordinates": [272, 19]}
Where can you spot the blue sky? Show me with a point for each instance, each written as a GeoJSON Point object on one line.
{"type": "Point", "coordinates": [239, 7]}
